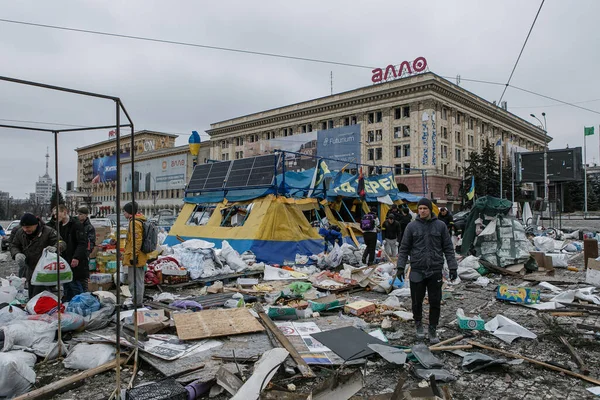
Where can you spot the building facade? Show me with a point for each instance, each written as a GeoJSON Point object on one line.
{"type": "Point", "coordinates": [423, 127]}
{"type": "Point", "coordinates": [155, 186]}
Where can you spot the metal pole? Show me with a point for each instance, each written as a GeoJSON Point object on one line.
{"type": "Point", "coordinates": [57, 196]}
{"type": "Point", "coordinates": [585, 208]}
{"type": "Point", "coordinates": [546, 164]}
{"type": "Point", "coordinates": [118, 271]}
{"type": "Point", "coordinates": [501, 145]}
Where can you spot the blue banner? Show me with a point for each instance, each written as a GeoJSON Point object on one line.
{"type": "Point", "coordinates": [341, 143]}
{"type": "Point", "coordinates": [104, 169]}
{"type": "Point", "coordinates": [375, 186]}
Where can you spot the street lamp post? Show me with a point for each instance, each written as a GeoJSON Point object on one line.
{"type": "Point", "coordinates": [545, 126]}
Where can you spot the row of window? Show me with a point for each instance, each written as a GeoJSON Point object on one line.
{"type": "Point", "coordinates": [399, 152]}
{"type": "Point", "coordinates": [399, 133]}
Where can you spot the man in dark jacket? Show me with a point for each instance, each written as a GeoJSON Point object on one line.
{"type": "Point", "coordinates": [71, 232]}
{"type": "Point", "coordinates": [27, 244]}
{"type": "Point", "coordinates": [391, 232]}
{"type": "Point", "coordinates": [369, 224]}
{"type": "Point", "coordinates": [447, 218]}
{"type": "Point", "coordinates": [427, 241]}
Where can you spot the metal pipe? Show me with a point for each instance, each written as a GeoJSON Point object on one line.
{"type": "Point", "coordinates": [118, 270]}
{"type": "Point", "coordinates": [90, 128]}
{"type": "Point", "coordinates": [27, 128]}
{"type": "Point", "coordinates": [545, 127]}
{"type": "Point", "coordinates": [58, 88]}
{"type": "Point", "coordinates": [57, 197]}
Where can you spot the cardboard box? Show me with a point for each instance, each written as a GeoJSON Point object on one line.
{"type": "Point", "coordinates": [592, 274]}
{"type": "Point", "coordinates": [359, 307]}
{"type": "Point", "coordinates": [542, 260]}
{"type": "Point", "coordinates": [470, 323]}
{"type": "Point", "coordinates": [94, 287]}
{"type": "Point", "coordinates": [518, 294]}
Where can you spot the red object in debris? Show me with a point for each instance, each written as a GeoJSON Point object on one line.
{"type": "Point", "coordinates": [46, 304]}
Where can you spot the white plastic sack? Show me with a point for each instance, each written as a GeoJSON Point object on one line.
{"type": "Point", "coordinates": [544, 243]}
{"type": "Point", "coordinates": [7, 294]}
{"type": "Point", "coordinates": [30, 307]}
{"type": "Point", "coordinates": [560, 260]}
{"type": "Point", "coordinates": [45, 270]}
{"type": "Point", "coordinates": [232, 257]}
{"type": "Point", "coordinates": [196, 244]}
{"type": "Point", "coordinates": [334, 258]}
{"type": "Point", "coordinates": [99, 319]}
{"type": "Point", "coordinates": [469, 262]}
{"type": "Point", "coordinates": [35, 335]}
{"type": "Point", "coordinates": [86, 356]}
{"type": "Point", "coordinates": [16, 373]}
{"type": "Point", "coordinates": [11, 313]}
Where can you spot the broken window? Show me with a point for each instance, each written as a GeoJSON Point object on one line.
{"type": "Point", "coordinates": [235, 215]}
{"type": "Point", "coordinates": [200, 215]}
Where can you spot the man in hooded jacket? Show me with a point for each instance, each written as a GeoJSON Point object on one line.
{"type": "Point", "coordinates": [426, 240]}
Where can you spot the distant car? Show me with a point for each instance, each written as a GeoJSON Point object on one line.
{"type": "Point", "coordinates": [460, 220]}
{"type": "Point", "coordinates": [8, 231]}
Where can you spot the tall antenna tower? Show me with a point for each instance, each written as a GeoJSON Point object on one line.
{"type": "Point", "coordinates": [331, 81]}
{"type": "Point", "coordinates": [47, 159]}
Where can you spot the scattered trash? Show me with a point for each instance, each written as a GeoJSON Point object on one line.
{"type": "Point", "coordinates": [507, 330]}
{"type": "Point", "coordinates": [518, 294]}
{"type": "Point", "coordinates": [470, 323]}
{"type": "Point", "coordinates": [426, 357]}
{"type": "Point", "coordinates": [86, 356]}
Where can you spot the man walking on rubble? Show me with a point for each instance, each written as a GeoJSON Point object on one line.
{"type": "Point", "coordinates": [391, 232]}
{"type": "Point", "coordinates": [426, 240]}
{"type": "Point", "coordinates": [133, 257]}
{"type": "Point", "coordinates": [369, 225]}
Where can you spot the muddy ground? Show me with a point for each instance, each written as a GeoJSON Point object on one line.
{"type": "Point", "coordinates": [524, 381]}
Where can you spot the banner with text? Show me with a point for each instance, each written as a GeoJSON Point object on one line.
{"type": "Point", "coordinates": [375, 186]}
{"type": "Point", "coordinates": [158, 174]}
{"type": "Point", "coordinates": [341, 143]}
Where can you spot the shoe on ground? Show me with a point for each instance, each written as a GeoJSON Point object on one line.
{"type": "Point", "coordinates": [433, 337]}
{"type": "Point", "coordinates": [420, 331]}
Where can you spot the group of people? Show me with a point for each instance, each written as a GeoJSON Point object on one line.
{"type": "Point", "coordinates": [75, 239]}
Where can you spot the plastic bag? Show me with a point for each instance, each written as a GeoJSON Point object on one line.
{"type": "Point", "coordinates": [101, 318]}
{"type": "Point", "coordinates": [544, 243]}
{"type": "Point", "coordinates": [232, 258]}
{"type": "Point", "coordinates": [83, 304]}
{"type": "Point", "coordinates": [469, 262]}
{"type": "Point", "coordinates": [45, 270]}
{"type": "Point", "coordinates": [16, 373]}
{"type": "Point", "coordinates": [11, 313]}
{"type": "Point", "coordinates": [30, 307]}
{"type": "Point", "coordinates": [7, 294]}
{"type": "Point", "coordinates": [68, 321]}
{"type": "Point", "coordinates": [86, 356]}
{"type": "Point", "coordinates": [334, 258]}
{"type": "Point", "coordinates": [35, 335]}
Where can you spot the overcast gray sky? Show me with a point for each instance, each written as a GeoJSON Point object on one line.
{"type": "Point", "coordinates": [179, 89]}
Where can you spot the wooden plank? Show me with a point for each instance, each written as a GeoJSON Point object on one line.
{"type": "Point", "coordinates": [540, 363]}
{"type": "Point", "coordinates": [352, 235]}
{"type": "Point", "coordinates": [303, 367]}
{"type": "Point", "coordinates": [215, 323]}
{"type": "Point", "coordinates": [56, 387]}
{"type": "Point", "coordinates": [576, 357]}
{"type": "Point", "coordinates": [499, 270]}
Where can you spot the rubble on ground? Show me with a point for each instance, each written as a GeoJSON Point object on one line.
{"type": "Point", "coordinates": [521, 321]}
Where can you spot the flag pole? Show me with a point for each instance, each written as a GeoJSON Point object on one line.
{"type": "Point", "coordinates": [585, 197]}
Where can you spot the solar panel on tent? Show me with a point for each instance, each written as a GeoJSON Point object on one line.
{"type": "Point", "coordinates": [199, 177]}
{"type": "Point", "coordinates": [217, 175]}
{"type": "Point", "coordinates": [263, 171]}
{"type": "Point", "coordinates": [255, 171]}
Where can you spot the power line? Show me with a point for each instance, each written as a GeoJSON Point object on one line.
{"type": "Point", "coordinates": [557, 105]}
{"type": "Point", "coordinates": [204, 46]}
{"type": "Point", "coordinates": [40, 122]}
{"type": "Point", "coordinates": [521, 52]}
{"type": "Point", "coordinates": [555, 99]}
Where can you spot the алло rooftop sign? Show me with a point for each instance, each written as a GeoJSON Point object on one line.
{"type": "Point", "coordinates": [406, 68]}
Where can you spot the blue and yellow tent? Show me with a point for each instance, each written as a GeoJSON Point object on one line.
{"type": "Point", "coordinates": [274, 228]}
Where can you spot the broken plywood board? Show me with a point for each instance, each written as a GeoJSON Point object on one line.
{"type": "Point", "coordinates": [246, 345]}
{"type": "Point", "coordinates": [264, 369]}
{"type": "Point", "coordinates": [215, 323]}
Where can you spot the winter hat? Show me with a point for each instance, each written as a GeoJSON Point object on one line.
{"type": "Point", "coordinates": [425, 202]}
{"type": "Point", "coordinates": [131, 208]}
{"type": "Point", "coordinates": [83, 210]}
{"type": "Point", "coordinates": [28, 219]}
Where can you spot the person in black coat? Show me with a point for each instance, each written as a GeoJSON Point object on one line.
{"type": "Point", "coordinates": [447, 218]}
{"type": "Point", "coordinates": [72, 233]}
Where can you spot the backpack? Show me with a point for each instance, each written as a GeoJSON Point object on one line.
{"type": "Point", "coordinates": [150, 236]}
{"type": "Point", "coordinates": [367, 223]}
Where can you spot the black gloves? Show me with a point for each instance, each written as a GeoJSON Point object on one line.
{"type": "Point", "coordinates": [400, 274]}
{"type": "Point", "coordinates": [453, 274]}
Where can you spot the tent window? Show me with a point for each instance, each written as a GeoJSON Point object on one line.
{"type": "Point", "coordinates": [314, 217]}
{"type": "Point", "coordinates": [235, 216]}
{"type": "Point", "coordinates": [201, 215]}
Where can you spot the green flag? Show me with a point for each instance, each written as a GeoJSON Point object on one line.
{"type": "Point", "coordinates": [588, 131]}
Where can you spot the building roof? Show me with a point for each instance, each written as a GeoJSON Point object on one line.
{"type": "Point", "coordinates": [138, 133]}
{"type": "Point", "coordinates": [319, 104]}
{"type": "Point", "coordinates": [161, 152]}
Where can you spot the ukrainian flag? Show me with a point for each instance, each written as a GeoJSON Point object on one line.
{"type": "Point", "coordinates": [471, 192]}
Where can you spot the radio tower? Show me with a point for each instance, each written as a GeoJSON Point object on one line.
{"type": "Point", "coordinates": [47, 158]}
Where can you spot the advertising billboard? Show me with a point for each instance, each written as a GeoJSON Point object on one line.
{"type": "Point", "coordinates": [563, 165]}
{"type": "Point", "coordinates": [341, 143]}
{"type": "Point", "coordinates": [105, 169]}
{"type": "Point", "coordinates": [304, 143]}
{"type": "Point", "coordinates": [157, 174]}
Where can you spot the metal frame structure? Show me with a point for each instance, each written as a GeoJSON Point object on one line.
{"type": "Point", "coordinates": [119, 107]}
